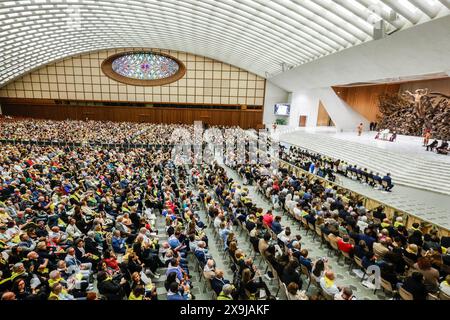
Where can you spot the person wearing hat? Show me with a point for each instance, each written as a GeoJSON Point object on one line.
{"type": "Point", "coordinates": [411, 252]}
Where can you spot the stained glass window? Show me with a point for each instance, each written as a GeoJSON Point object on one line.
{"type": "Point", "coordinates": [145, 66]}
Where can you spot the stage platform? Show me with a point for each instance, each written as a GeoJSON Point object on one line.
{"type": "Point", "coordinates": [405, 145]}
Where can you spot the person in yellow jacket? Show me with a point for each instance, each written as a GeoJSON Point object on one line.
{"type": "Point", "coordinates": [58, 293]}
{"type": "Point", "coordinates": [75, 197]}
{"type": "Point", "coordinates": [226, 293]}
{"type": "Point", "coordinates": [398, 222]}
{"type": "Point", "coordinates": [138, 293]}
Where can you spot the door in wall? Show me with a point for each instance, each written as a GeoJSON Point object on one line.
{"type": "Point", "coordinates": [144, 118]}
{"type": "Point", "coordinates": [302, 121]}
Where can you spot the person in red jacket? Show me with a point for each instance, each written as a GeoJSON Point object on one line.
{"type": "Point", "coordinates": [344, 245]}
{"type": "Point", "coordinates": [268, 219]}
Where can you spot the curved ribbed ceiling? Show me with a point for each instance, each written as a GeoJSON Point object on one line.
{"type": "Point", "coordinates": [261, 36]}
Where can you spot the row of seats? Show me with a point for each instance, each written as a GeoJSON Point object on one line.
{"type": "Point", "coordinates": [333, 249]}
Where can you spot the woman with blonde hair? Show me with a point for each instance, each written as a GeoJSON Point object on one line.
{"type": "Point", "coordinates": [250, 287]}
{"type": "Point", "coordinates": [232, 249]}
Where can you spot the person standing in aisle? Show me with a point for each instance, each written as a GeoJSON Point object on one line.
{"type": "Point", "coordinates": [360, 129]}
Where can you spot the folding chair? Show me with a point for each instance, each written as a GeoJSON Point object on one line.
{"type": "Point", "coordinates": [405, 295]}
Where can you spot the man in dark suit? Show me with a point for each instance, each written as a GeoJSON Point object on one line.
{"type": "Point", "coordinates": [388, 180]}
{"type": "Point", "coordinates": [443, 148]}
{"type": "Point", "coordinates": [218, 282]}
{"type": "Point", "coordinates": [432, 145]}
{"type": "Point", "coordinates": [377, 178]}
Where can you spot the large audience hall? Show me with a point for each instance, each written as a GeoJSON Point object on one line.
{"type": "Point", "coordinates": [224, 150]}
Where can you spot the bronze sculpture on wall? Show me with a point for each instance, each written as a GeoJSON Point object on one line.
{"type": "Point", "coordinates": [413, 113]}
{"type": "Point", "coordinates": [417, 100]}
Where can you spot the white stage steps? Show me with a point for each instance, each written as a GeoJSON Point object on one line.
{"type": "Point", "coordinates": [406, 170]}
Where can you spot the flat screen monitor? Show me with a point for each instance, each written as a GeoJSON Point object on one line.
{"type": "Point", "coordinates": [282, 109]}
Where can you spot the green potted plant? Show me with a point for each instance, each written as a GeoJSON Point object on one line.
{"type": "Point", "coordinates": [281, 121]}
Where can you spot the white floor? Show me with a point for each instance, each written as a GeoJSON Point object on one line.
{"type": "Point", "coordinates": [404, 145]}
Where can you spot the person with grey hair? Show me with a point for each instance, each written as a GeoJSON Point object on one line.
{"type": "Point", "coordinates": [76, 266]}
{"type": "Point", "coordinates": [81, 280]}
{"type": "Point", "coordinates": [296, 248]}
{"type": "Point", "coordinates": [91, 245]}
{"type": "Point", "coordinates": [18, 270]}
{"type": "Point", "coordinates": [218, 281]}
{"type": "Point", "coordinates": [362, 223]}
{"type": "Point", "coordinates": [59, 293]}
{"type": "Point", "coordinates": [226, 293]}
{"type": "Point", "coordinates": [202, 252]}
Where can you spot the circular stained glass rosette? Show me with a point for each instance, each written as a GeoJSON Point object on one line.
{"type": "Point", "coordinates": [145, 66]}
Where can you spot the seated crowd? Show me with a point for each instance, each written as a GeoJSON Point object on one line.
{"type": "Point", "coordinates": [90, 131]}
{"type": "Point", "coordinates": [231, 210]}
{"type": "Point", "coordinates": [80, 223]}
{"type": "Point", "coordinates": [440, 149]}
{"type": "Point", "coordinates": [327, 168]}
{"type": "Point", "coordinates": [410, 258]}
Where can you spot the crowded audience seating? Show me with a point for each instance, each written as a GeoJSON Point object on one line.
{"type": "Point", "coordinates": [112, 220]}
{"type": "Point", "coordinates": [327, 168]}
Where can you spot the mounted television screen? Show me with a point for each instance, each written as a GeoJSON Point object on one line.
{"type": "Point", "coordinates": [282, 109]}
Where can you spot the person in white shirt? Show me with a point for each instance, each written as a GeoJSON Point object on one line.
{"type": "Point", "coordinates": [72, 230]}
{"type": "Point", "coordinates": [297, 211]}
{"type": "Point", "coordinates": [218, 220]}
{"type": "Point", "coordinates": [290, 205]}
{"type": "Point", "coordinates": [288, 196]}
{"type": "Point", "coordinates": [145, 235]}
{"type": "Point", "coordinates": [362, 223]}
{"type": "Point", "coordinates": [327, 284]}
{"type": "Point", "coordinates": [209, 271]}
{"type": "Point", "coordinates": [285, 236]}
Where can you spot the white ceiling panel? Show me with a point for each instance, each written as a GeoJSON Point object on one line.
{"type": "Point", "coordinates": [257, 35]}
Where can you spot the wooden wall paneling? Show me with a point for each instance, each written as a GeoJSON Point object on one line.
{"type": "Point", "coordinates": [364, 99]}
{"type": "Point", "coordinates": [323, 118]}
{"type": "Point", "coordinates": [46, 110]}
